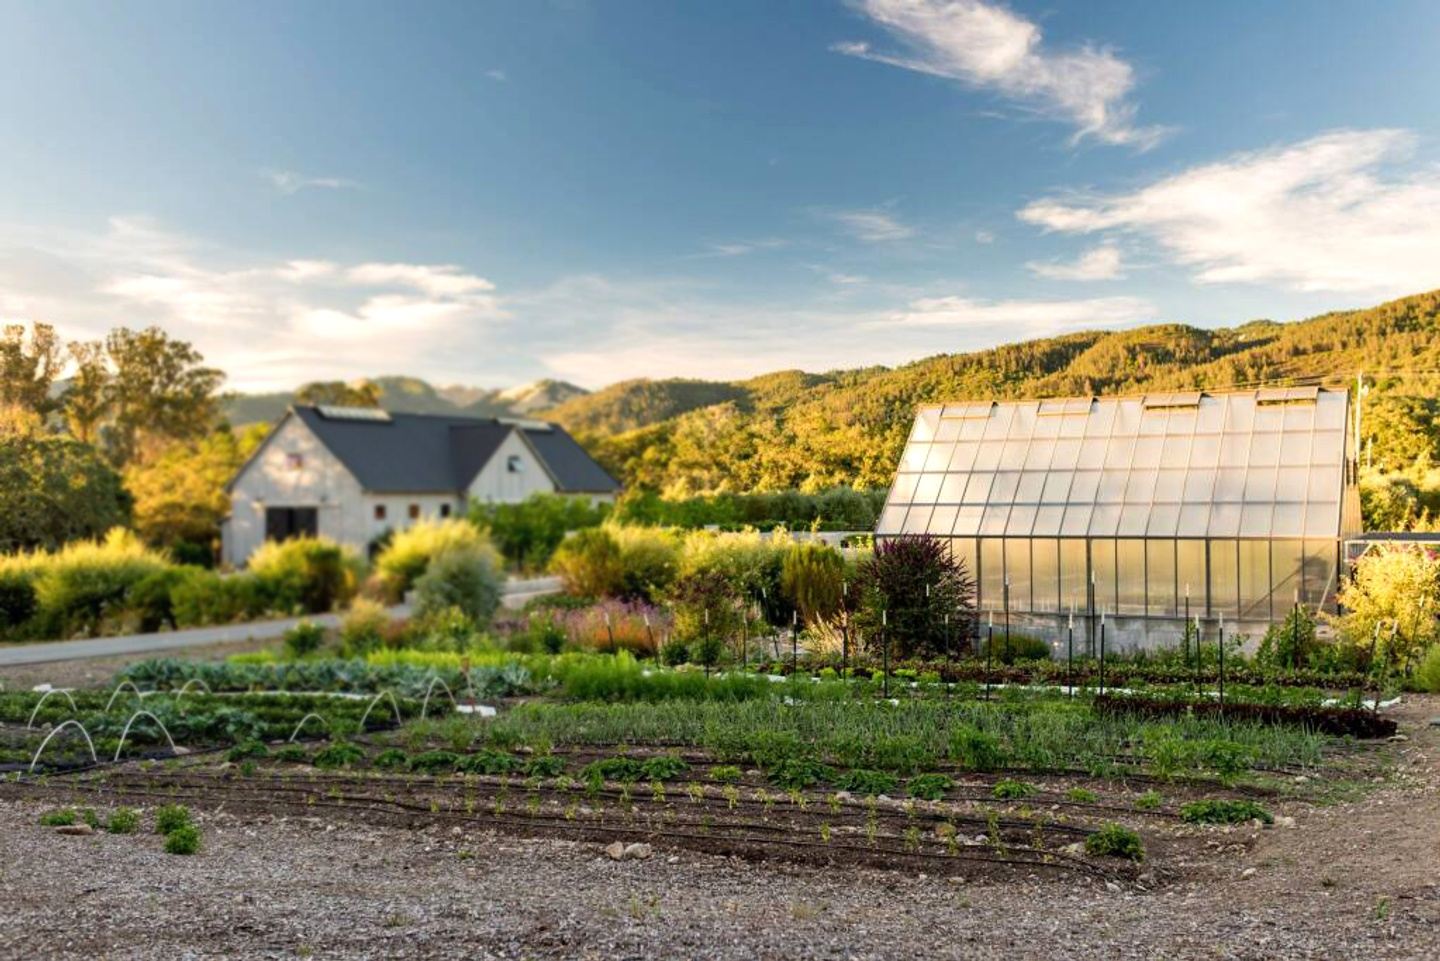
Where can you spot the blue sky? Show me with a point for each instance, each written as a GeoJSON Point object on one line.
{"type": "Point", "coordinates": [487, 193]}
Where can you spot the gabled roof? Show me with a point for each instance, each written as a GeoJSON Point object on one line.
{"type": "Point", "coordinates": [419, 453]}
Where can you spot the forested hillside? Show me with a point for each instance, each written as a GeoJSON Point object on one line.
{"type": "Point", "coordinates": [794, 430]}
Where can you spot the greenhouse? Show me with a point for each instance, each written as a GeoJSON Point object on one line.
{"type": "Point", "coordinates": [1141, 510]}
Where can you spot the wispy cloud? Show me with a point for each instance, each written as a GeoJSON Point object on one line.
{"type": "Point", "coordinates": [1098, 263]}
{"type": "Point", "coordinates": [874, 226]}
{"type": "Point", "coordinates": [1344, 211]}
{"type": "Point", "coordinates": [290, 182]}
{"type": "Point", "coordinates": [1032, 318]}
{"type": "Point", "coordinates": [498, 75]}
{"type": "Point", "coordinates": [740, 248]}
{"type": "Point", "coordinates": [990, 47]}
{"type": "Point", "coordinates": [984, 237]}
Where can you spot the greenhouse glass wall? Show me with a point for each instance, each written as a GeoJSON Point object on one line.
{"type": "Point", "coordinates": [1226, 506]}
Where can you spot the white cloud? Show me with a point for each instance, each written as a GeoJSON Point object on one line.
{"type": "Point", "coordinates": [990, 47]}
{"type": "Point", "coordinates": [498, 75]}
{"type": "Point", "coordinates": [1098, 263]}
{"type": "Point", "coordinates": [290, 182]}
{"type": "Point", "coordinates": [872, 226]}
{"type": "Point", "coordinates": [740, 248]}
{"type": "Point", "coordinates": [984, 237]}
{"type": "Point", "coordinates": [269, 323]}
{"type": "Point", "coordinates": [1032, 318]}
{"type": "Point", "coordinates": [1342, 212]}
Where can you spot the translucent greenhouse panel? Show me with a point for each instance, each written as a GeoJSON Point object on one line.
{"type": "Point", "coordinates": [1288, 520]}
{"type": "Point", "coordinates": [1022, 421]}
{"type": "Point", "coordinates": [1130, 577]}
{"type": "Point", "coordinates": [1325, 484]}
{"type": "Point", "coordinates": [1194, 520]}
{"type": "Point", "coordinates": [1092, 453]}
{"type": "Point", "coordinates": [1022, 520]}
{"type": "Point", "coordinates": [1287, 575]}
{"type": "Point", "coordinates": [1105, 520]}
{"type": "Point", "coordinates": [892, 519]}
{"type": "Point", "coordinates": [1039, 455]}
{"type": "Point", "coordinates": [952, 489]}
{"type": "Point", "coordinates": [978, 490]}
{"type": "Point", "coordinates": [903, 489]}
{"type": "Point", "coordinates": [1239, 412]}
{"type": "Point", "coordinates": [1065, 455]}
{"type": "Point", "coordinates": [1229, 485]}
{"type": "Point", "coordinates": [1190, 573]}
{"type": "Point", "coordinates": [1057, 487]}
{"type": "Point", "coordinates": [1127, 417]}
{"type": "Point", "coordinates": [1224, 520]}
{"type": "Point", "coordinates": [1210, 417]}
{"type": "Point", "coordinates": [1074, 575]}
{"type": "Point", "coordinates": [1017, 566]}
{"type": "Point", "coordinates": [973, 429]}
{"type": "Point", "coordinates": [1331, 411]}
{"type": "Point", "coordinates": [1292, 484]}
{"type": "Point", "coordinates": [914, 459]}
{"type": "Point", "coordinates": [987, 455]}
{"type": "Point", "coordinates": [1077, 520]}
{"type": "Point", "coordinates": [1119, 452]}
{"type": "Point", "coordinates": [1299, 418]}
{"type": "Point", "coordinates": [1254, 580]}
{"type": "Point", "coordinates": [917, 521]}
{"type": "Point", "coordinates": [949, 430]}
{"type": "Point", "coordinates": [1295, 449]}
{"type": "Point", "coordinates": [1329, 447]}
{"type": "Point", "coordinates": [1047, 520]}
{"type": "Point", "coordinates": [927, 489]}
{"type": "Point", "coordinates": [1176, 451]}
{"type": "Point", "coordinates": [1003, 492]}
{"type": "Point", "coordinates": [1255, 520]}
{"type": "Point", "coordinates": [1322, 519]}
{"type": "Point", "coordinates": [1012, 455]}
{"type": "Point", "coordinates": [1183, 420]}
{"type": "Point", "coordinates": [942, 522]}
{"type": "Point", "coordinates": [1045, 574]}
{"type": "Point", "coordinates": [1264, 449]}
{"type": "Point", "coordinates": [992, 572]}
{"type": "Point", "coordinates": [1170, 486]}
{"type": "Point", "coordinates": [1204, 452]}
{"type": "Point", "coordinates": [1199, 486]}
{"type": "Point", "coordinates": [1260, 484]}
{"type": "Point", "coordinates": [963, 550]}
{"type": "Point", "coordinates": [1112, 486]}
{"type": "Point", "coordinates": [967, 521]}
{"type": "Point", "coordinates": [927, 422]}
{"type": "Point", "coordinates": [1319, 564]}
{"type": "Point", "coordinates": [963, 459]}
{"type": "Point", "coordinates": [1160, 577]}
{"type": "Point", "coordinates": [1234, 450]}
{"type": "Point", "coordinates": [992, 524]}
{"type": "Point", "coordinates": [1152, 422]}
{"type": "Point", "coordinates": [1269, 418]}
{"type": "Point", "coordinates": [1164, 520]}
{"type": "Point", "coordinates": [1032, 484]}
{"type": "Point", "coordinates": [1141, 487]}
{"type": "Point", "coordinates": [1148, 451]}
{"type": "Point", "coordinates": [1101, 421]}
{"type": "Point", "coordinates": [998, 424]}
{"type": "Point", "coordinates": [1102, 562]}
{"type": "Point", "coordinates": [1134, 518]}
{"type": "Point", "coordinates": [1073, 426]}
{"type": "Point", "coordinates": [939, 457]}
{"type": "Point", "coordinates": [1084, 487]}
{"type": "Point", "coordinates": [1224, 579]}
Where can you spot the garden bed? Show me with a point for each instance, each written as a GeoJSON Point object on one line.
{"type": "Point", "coordinates": [1335, 721]}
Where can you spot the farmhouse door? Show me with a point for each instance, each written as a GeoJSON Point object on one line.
{"type": "Point", "coordinates": [283, 523]}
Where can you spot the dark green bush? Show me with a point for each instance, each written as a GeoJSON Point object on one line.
{"type": "Point", "coordinates": [664, 767]}
{"type": "Point", "coordinates": [292, 754]}
{"type": "Point", "coordinates": [183, 840]}
{"type": "Point", "coordinates": [391, 759]}
{"type": "Point", "coordinates": [467, 579]}
{"type": "Point", "coordinates": [799, 772]}
{"type": "Point", "coordinates": [435, 762]}
{"type": "Point", "coordinates": [60, 817]}
{"type": "Point", "coordinates": [545, 765]}
{"type": "Point", "coordinates": [929, 787]}
{"type": "Point", "coordinates": [861, 781]}
{"type": "Point", "coordinates": [338, 754]}
{"type": "Point", "coordinates": [1215, 811]}
{"type": "Point", "coordinates": [170, 818]}
{"type": "Point", "coordinates": [150, 599]}
{"type": "Point", "coordinates": [1022, 647]}
{"type": "Point", "coordinates": [306, 574]}
{"type": "Point", "coordinates": [614, 769]}
{"type": "Point", "coordinates": [490, 762]}
{"type": "Point", "coordinates": [247, 749]}
{"type": "Point", "coordinates": [1010, 790]}
{"type": "Point", "coordinates": [303, 639]}
{"type": "Point", "coordinates": [1116, 841]}
{"type": "Point", "coordinates": [123, 821]}
{"type": "Point", "coordinates": [675, 653]}
{"type": "Point", "coordinates": [17, 601]}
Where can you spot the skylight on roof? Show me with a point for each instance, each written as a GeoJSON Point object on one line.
{"type": "Point", "coordinates": [367, 414]}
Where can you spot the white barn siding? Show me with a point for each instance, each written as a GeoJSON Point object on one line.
{"type": "Point", "coordinates": [271, 480]}
{"type": "Point", "coordinates": [497, 482]}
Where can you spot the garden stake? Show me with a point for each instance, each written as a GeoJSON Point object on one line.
{"type": "Point", "coordinates": [794, 641]}
{"type": "Point", "coordinates": [1008, 658]}
{"type": "Point", "coordinates": [1295, 633]}
{"type": "Point", "coordinates": [947, 655]}
{"type": "Point", "coordinates": [989, 653]}
{"type": "Point", "coordinates": [845, 627]}
{"type": "Point", "coordinates": [707, 638]}
{"type": "Point", "coordinates": [1185, 632]}
{"type": "Point", "coordinates": [1222, 663]}
{"type": "Point", "coordinates": [1102, 650]}
{"type": "Point", "coordinates": [1195, 677]}
{"type": "Point", "coordinates": [885, 646]}
{"type": "Point", "coordinates": [1070, 652]}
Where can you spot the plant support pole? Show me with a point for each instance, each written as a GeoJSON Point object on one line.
{"type": "Point", "coordinates": [989, 653]}
{"type": "Point", "coordinates": [1070, 653]}
{"type": "Point", "coordinates": [1102, 650]}
{"type": "Point", "coordinates": [1222, 663]}
{"type": "Point", "coordinates": [794, 642]}
{"type": "Point", "coordinates": [885, 648]}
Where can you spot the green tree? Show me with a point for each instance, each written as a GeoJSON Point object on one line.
{"type": "Point", "coordinates": [160, 392]}
{"type": "Point", "coordinates": [87, 400]}
{"type": "Point", "coordinates": [337, 393]}
{"type": "Point", "coordinates": [812, 577]}
{"type": "Point", "coordinates": [54, 490]}
{"type": "Point", "coordinates": [528, 533]}
{"type": "Point", "coordinates": [1390, 603]}
{"type": "Point", "coordinates": [29, 366]}
{"type": "Point", "coordinates": [180, 495]}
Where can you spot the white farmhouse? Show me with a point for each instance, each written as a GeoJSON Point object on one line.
{"type": "Point", "coordinates": [351, 474]}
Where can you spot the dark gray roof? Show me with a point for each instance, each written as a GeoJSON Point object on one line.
{"type": "Point", "coordinates": [419, 453]}
{"type": "Point", "coordinates": [572, 468]}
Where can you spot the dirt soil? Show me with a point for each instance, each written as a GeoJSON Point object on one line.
{"type": "Point", "coordinates": [1355, 879]}
{"type": "Point", "coordinates": [98, 671]}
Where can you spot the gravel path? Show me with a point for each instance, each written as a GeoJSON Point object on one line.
{"type": "Point", "coordinates": [1352, 880]}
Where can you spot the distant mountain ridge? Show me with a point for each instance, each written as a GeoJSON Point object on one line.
{"type": "Point", "coordinates": [415, 396]}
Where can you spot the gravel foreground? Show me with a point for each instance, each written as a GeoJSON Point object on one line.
{"type": "Point", "coordinates": [1355, 880]}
